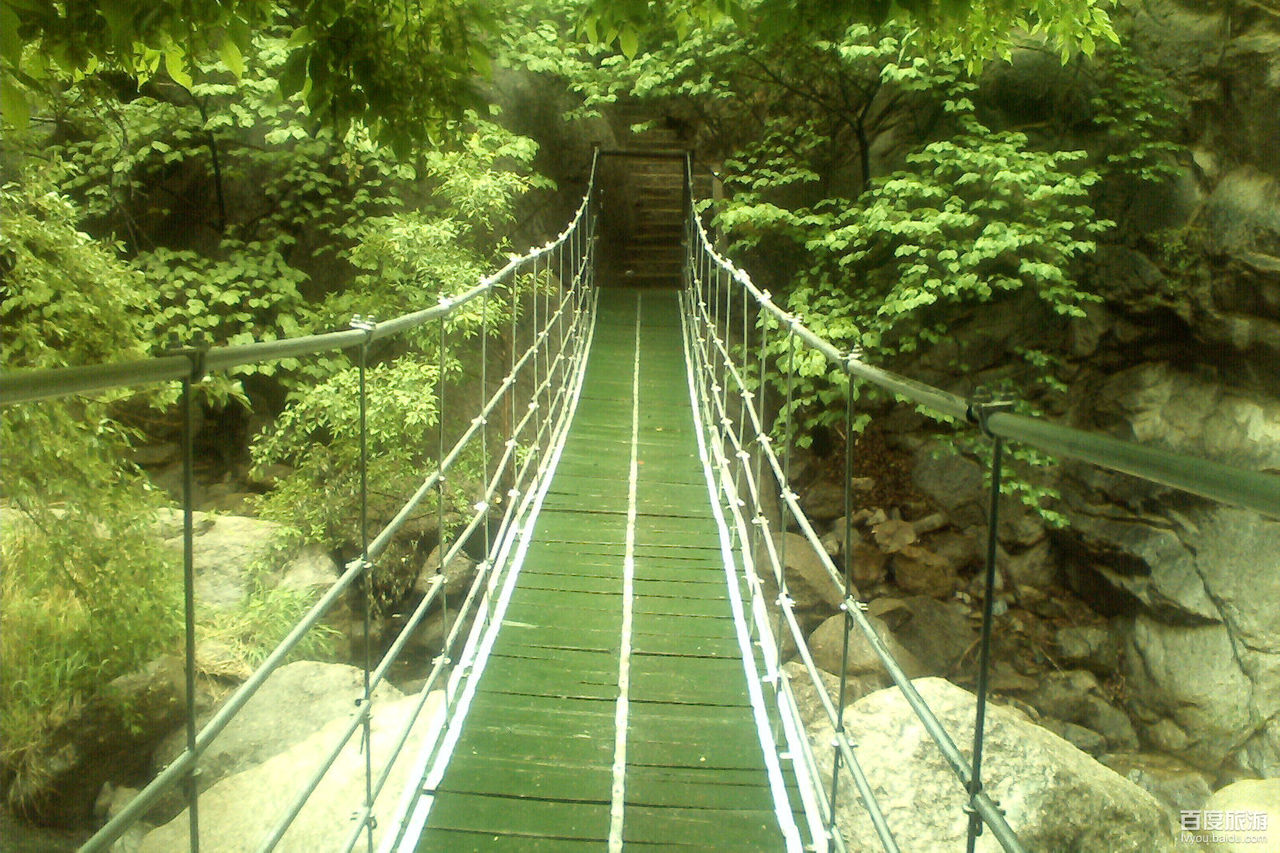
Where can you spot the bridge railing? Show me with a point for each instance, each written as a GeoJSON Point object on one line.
{"type": "Point", "coordinates": [723, 306]}
{"type": "Point", "coordinates": [553, 288]}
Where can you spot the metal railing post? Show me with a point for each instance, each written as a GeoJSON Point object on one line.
{"type": "Point", "coordinates": [848, 596]}
{"type": "Point", "coordinates": [980, 409]}
{"type": "Point", "coordinates": [367, 325]}
{"type": "Point", "coordinates": [195, 353]}
{"type": "Point", "coordinates": [440, 499]}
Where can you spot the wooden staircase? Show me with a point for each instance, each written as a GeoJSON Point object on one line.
{"type": "Point", "coordinates": [653, 254]}
{"type": "Point", "coordinates": [645, 246]}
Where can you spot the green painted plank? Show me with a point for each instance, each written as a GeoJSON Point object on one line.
{"type": "Point", "coordinates": [520, 778]}
{"type": "Point", "coordinates": [644, 643]}
{"type": "Point", "coordinates": [703, 829]}
{"type": "Point", "coordinates": [522, 816]}
{"type": "Point", "coordinates": [461, 841]}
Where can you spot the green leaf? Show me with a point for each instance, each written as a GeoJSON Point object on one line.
{"type": "Point", "coordinates": [10, 44]}
{"type": "Point", "coordinates": [231, 56]}
{"type": "Point", "coordinates": [175, 62]}
{"type": "Point", "coordinates": [13, 103]}
{"type": "Point", "coordinates": [629, 41]}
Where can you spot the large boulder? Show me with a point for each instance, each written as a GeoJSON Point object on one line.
{"type": "Point", "coordinates": [1249, 806]}
{"type": "Point", "coordinates": [232, 553]}
{"type": "Point", "coordinates": [828, 649]}
{"type": "Point", "coordinates": [235, 814]}
{"type": "Point", "coordinates": [297, 700]}
{"type": "Point", "coordinates": [1054, 796]}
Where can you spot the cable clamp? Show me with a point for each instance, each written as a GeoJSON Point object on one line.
{"type": "Point", "coordinates": [194, 352]}
{"type": "Point", "coordinates": [982, 405]}
{"type": "Point", "coordinates": [364, 323]}
{"type": "Point", "coordinates": [850, 604]}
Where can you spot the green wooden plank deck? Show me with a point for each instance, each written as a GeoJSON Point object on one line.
{"type": "Point", "coordinates": [534, 767]}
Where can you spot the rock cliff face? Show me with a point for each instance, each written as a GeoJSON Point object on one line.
{"type": "Point", "coordinates": [1183, 356]}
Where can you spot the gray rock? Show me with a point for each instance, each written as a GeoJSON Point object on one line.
{"type": "Point", "coordinates": [937, 633]}
{"type": "Point", "coordinates": [1189, 676]}
{"type": "Point", "coordinates": [235, 814]}
{"type": "Point", "coordinates": [1178, 785]}
{"type": "Point", "coordinates": [1036, 566]}
{"type": "Point", "coordinates": [458, 574]}
{"type": "Point", "coordinates": [953, 482]}
{"type": "Point", "coordinates": [808, 581]}
{"type": "Point", "coordinates": [1244, 211]}
{"type": "Point", "coordinates": [1145, 558]}
{"type": "Point", "coordinates": [827, 646]}
{"type": "Point", "coordinates": [960, 550]}
{"type": "Point", "coordinates": [1157, 403]}
{"type": "Point", "coordinates": [1055, 797]}
{"type": "Point", "coordinates": [823, 500]}
{"type": "Point", "coordinates": [1092, 647]}
{"type": "Point", "coordinates": [1082, 738]}
{"type": "Point", "coordinates": [1076, 697]}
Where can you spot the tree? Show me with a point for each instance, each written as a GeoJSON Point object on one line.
{"type": "Point", "coordinates": [979, 29]}
{"type": "Point", "coordinates": [403, 69]}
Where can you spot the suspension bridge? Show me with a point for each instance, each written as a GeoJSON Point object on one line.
{"type": "Point", "coordinates": [612, 678]}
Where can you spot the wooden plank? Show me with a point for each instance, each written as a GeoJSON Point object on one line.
{"type": "Point", "coordinates": [521, 816]}
{"type": "Point", "coordinates": [703, 829]}
{"type": "Point", "coordinates": [460, 841]}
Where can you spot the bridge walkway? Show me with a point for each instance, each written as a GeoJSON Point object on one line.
{"type": "Point", "coordinates": [619, 702]}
